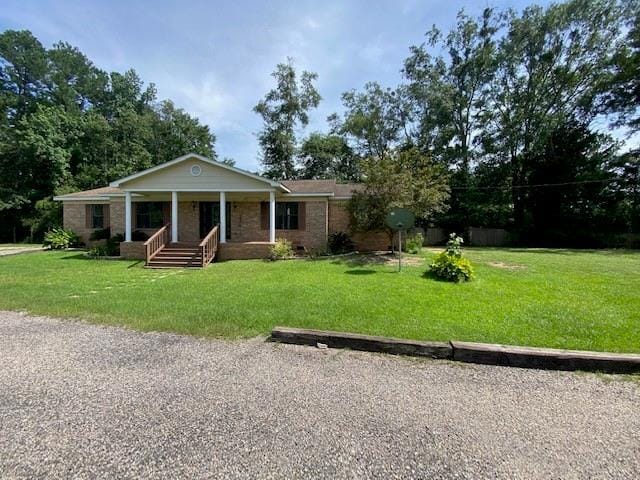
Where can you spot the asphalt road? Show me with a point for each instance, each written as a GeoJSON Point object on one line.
{"type": "Point", "coordinates": [86, 401]}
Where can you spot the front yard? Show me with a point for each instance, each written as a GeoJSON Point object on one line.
{"type": "Point", "coordinates": [555, 298]}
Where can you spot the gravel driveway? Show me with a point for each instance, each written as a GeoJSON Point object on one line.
{"type": "Point", "coordinates": [86, 401]}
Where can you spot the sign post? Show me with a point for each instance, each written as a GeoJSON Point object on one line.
{"type": "Point", "coordinates": [399, 219]}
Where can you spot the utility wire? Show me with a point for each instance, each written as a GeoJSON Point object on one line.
{"type": "Point", "coordinates": [509, 187]}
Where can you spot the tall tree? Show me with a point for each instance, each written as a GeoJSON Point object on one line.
{"type": "Point", "coordinates": [328, 157]}
{"type": "Point", "coordinates": [448, 96]}
{"type": "Point", "coordinates": [23, 72]}
{"type": "Point", "coordinates": [623, 99]}
{"type": "Point", "coordinates": [375, 120]}
{"type": "Point", "coordinates": [282, 110]}
{"type": "Point", "coordinates": [552, 65]}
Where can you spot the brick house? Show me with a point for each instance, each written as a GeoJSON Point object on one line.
{"type": "Point", "coordinates": [189, 210]}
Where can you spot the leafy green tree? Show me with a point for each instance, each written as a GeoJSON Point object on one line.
{"type": "Point", "coordinates": [75, 81]}
{"type": "Point", "coordinates": [328, 157]}
{"type": "Point", "coordinates": [67, 125]}
{"type": "Point", "coordinates": [403, 178]}
{"type": "Point", "coordinates": [448, 94]}
{"type": "Point", "coordinates": [175, 133]}
{"type": "Point", "coordinates": [623, 99]}
{"type": "Point", "coordinates": [552, 65]}
{"type": "Point", "coordinates": [375, 120]}
{"type": "Point", "coordinates": [23, 72]}
{"type": "Point", "coordinates": [448, 99]}
{"type": "Point", "coordinates": [282, 110]}
{"type": "Point", "coordinates": [575, 209]}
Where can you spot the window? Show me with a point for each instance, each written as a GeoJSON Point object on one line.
{"type": "Point", "coordinates": [149, 215]}
{"type": "Point", "coordinates": [287, 216]}
{"type": "Point", "coordinates": [97, 216]}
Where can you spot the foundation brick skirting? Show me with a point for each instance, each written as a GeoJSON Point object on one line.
{"type": "Point", "coordinates": [242, 251]}
{"type": "Point", "coordinates": [132, 250]}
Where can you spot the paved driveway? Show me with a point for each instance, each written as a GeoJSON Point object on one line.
{"type": "Point", "coordinates": [87, 401]}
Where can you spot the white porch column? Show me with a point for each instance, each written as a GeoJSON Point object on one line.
{"type": "Point", "coordinates": [272, 217]}
{"type": "Point", "coordinates": [174, 216]}
{"type": "Point", "coordinates": [223, 217]}
{"type": "Point", "coordinates": [127, 216]}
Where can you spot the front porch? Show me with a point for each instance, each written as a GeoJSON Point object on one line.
{"type": "Point", "coordinates": [193, 228]}
{"type": "Point", "coordinates": [136, 250]}
{"type": "Point", "coordinates": [241, 216]}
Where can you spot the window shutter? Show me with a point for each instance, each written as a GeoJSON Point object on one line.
{"type": "Point", "coordinates": [87, 216]}
{"type": "Point", "coordinates": [264, 215]}
{"type": "Point", "coordinates": [107, 218]}
{"type": "Point", "coordinates": [302, 215]}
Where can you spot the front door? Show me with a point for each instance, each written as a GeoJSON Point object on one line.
{"type": "Point", "coordinates": [210, 216]}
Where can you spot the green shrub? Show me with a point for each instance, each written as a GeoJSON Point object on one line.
{"type": "Point", "coordinates": [101, 234]}
{"type": "Point", "coordinates": [414, 243]}
{"type": "Point", "coordinates": [58, 238]}
{"type": "Point", "coordinates": [340, 242]}
{"type": "Point", "coordinates": [113, 245]}
{"type": "Point", "coordinates": [281, 249]}
{"type": "Point", "coordinates": [99, 251]}
{"type": "Point", "coordinates": [450, 265]}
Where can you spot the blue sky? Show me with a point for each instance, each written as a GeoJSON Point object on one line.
{"type": "Point", "coordinates": [214, 58]}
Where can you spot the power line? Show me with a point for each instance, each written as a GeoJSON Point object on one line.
{"type": "Point", "coordinates": [535, 185]}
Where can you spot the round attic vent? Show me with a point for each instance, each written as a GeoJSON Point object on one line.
{"type": "Point", "coordinates": [196, 170]}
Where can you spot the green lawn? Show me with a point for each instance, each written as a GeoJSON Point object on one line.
{"type": "Point", "coordinates": [557, 298]}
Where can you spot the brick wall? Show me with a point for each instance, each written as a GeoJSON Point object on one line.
{"type": "Point", "coordinates": [364, 241]}
{"type": "Point", "coordinates": [246, 225]}
{"type": "Point", "coordinates": [74, 217]}
{"type": "Point", "coordinates": [117, 217]}
{"type": "Point", "coordinates": [315, 233]}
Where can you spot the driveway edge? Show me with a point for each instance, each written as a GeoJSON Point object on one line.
{"type": "Point", "coordinates": [368, 343]}
{"type": "Point", "coordinates": [468, 352]}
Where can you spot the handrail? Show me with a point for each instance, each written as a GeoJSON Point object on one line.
{"type": "Point", "coordinates": [209, 246]}
{"type": "Point", "coordinates": [156, 242]}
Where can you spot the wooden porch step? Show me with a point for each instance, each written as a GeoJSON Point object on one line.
{"type": "Point", "coordinates": [174, 264]}
{"type": "Point", "coordinates": [177, 256]}
{"type": "Point", "coordinates": [164, 253]}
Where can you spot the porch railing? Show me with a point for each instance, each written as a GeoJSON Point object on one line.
{"type": "Point", "coordinates": [156, 242]}
{"type": "Point", "coordinates": [209, 246]}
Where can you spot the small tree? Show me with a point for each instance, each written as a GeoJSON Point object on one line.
{"type": "Point", "coordinates": [407, 179]}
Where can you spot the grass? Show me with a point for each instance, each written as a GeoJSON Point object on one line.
{"type": "Point", "coordinates": [556, 298]}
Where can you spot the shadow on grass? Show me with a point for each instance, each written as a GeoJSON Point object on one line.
{"type": "Point", "coordinates": [360, 271]}
{"type": "Point", "coordinates": [85, 258]}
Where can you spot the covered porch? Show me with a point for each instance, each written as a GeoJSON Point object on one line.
{"type": "Point", "coordinates": [169, 226]}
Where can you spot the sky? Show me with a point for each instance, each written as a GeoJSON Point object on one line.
{"type": "Point", "coordinates": [214, 58]}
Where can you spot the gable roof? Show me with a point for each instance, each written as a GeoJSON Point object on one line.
{"type": "Point", "coordinates": [272, 183]}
